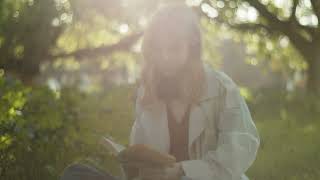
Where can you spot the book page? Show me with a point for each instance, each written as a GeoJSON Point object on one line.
{"type": "Point", "coordinates": [113, 147]}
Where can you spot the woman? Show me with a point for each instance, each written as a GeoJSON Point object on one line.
{"type": "Point", "coordinates": [186, 109]}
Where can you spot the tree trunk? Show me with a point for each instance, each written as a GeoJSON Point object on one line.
{"type": "Point", "coordinates": [313, 81]}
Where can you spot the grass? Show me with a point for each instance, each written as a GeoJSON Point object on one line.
{"type": "Point", "coordinates": [290, 149]}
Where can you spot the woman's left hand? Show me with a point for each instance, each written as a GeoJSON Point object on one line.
{"type": "Point", "coordinates": [174, 172]}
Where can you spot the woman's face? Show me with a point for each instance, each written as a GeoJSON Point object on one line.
{"type": "Point", "coordinates": [173, 57]}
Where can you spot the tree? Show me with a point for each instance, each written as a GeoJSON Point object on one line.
{"type": "Point", "coordinates": [30, 32]}
{"type": "Point", "coordinates": [295, 19]}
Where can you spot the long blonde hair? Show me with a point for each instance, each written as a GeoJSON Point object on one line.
{"type": "Point", "coordinates": [176, 23]}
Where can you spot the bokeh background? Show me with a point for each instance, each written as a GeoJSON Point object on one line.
{"type": "Point", "coordinates": [69, 69]}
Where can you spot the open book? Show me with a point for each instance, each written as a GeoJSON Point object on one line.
{"type": "Point", "coordinates": [138, 154]}
{"type": "Point", "coordinates": [113, 147]}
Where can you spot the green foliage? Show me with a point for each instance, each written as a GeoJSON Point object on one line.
{"type": "Point", "coordinates": [27, 32]}
{"type": "Point", "coordinates": [289, 127]}
{"type": "Point", "coordinates": [289, 150]}
{"type": "Point", "coordinates": [276, 53]}
{"type": "Point", "coordinates": [42, 131]}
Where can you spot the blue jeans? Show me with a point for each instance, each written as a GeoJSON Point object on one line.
{"type": "Point", "coordinates": [80, 171]}
{"type": "Point", "coordinates": [86, 172]}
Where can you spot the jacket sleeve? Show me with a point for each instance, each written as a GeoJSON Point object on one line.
{"type": "Point", "coordinates": [137, 132]}
{"type": "Point", "coordinates": [136, 137]}
{"type": "Point", "coordinates": [237, 145]}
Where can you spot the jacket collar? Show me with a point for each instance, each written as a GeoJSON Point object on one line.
{"type": "Point", "coordinates": [212, 84]}
{"type": "Point", "coordinates": [199, 114]}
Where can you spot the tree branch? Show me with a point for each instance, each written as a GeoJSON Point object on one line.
{"type": "Point", "coordinates": [251, 27]}
{"type": "Point", "coordinates": [293, 10]}
{"type": "Point", "coordinates": [123, 45]}
{"type": "Point", "coordinates": [316, 8]}
{"type": "Point", "coordinates": [293, 20]}
{"type": "Point", "coordinates": [271, 19]}
{"type": "Point", "coordinates": [262, 9]}
{"type": "Point", "coordinates": [282, 26]}
{"type": "Point", "coordinates": [274, 25]}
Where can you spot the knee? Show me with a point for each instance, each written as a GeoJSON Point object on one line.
{"type": "Point", "coordinates": [71, 171]}
{"type": "Point", "coordinates": [78, 171]}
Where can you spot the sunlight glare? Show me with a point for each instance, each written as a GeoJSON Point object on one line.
{"type": "Point", "coordinates": [209, 10]}
{"type": "Point", "coordinates": [124, 28]}
{"type": "Point", "coordinates": [193, 2]}
{"type": "Point", "coordinates": [246, 13]}
{"type": "Point", "coordinates": [284, 41]}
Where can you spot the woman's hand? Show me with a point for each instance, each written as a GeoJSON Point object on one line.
{"type": "Point", "coordinates": [174, 172]}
